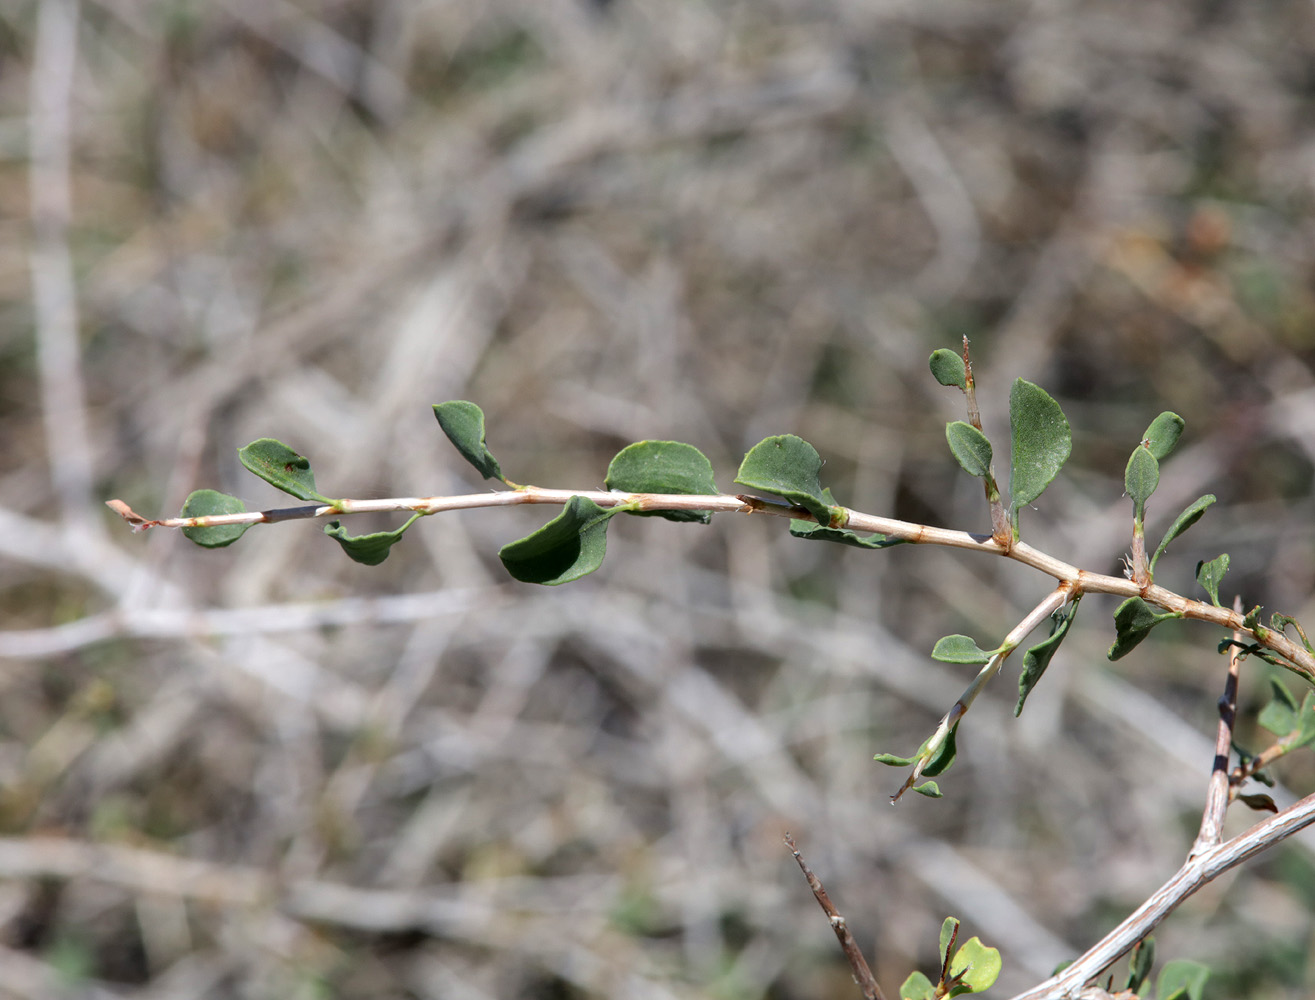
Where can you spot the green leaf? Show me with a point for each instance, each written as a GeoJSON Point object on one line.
{"type": "Point", "coordinates": [810, 529]}
{"type": "Point", "coordinates": [371, 549]}
{"type": "Point", "coordinates": [943, 759]}
{"type": "Point", "coordinates": [1041, 443]}
{"type": "Point", "coordinates": [1163, 434]}
{"type": "Point", "coordinates": [1140, 964]}
{"type": "Point", "coordinates": [1258, 801]}
{"type": "Point", "coordinates": [568, 547]}
{"type": "Point", "coordinates": [1141, 478]}
{"type": "Point", "coordinates": [970, 447]}
{"type": "Point", "coordinates": [948, 368]}
{"type": "Point", "coordinates": [1181, 979]}
{"type": "Point", "coordinates": [277, 464]}
{"type": "Point", "coordinates": [1133, 621]}
{"type": "Point", "coordinates": [929, 789]}
{"type": "Point", "coordinates": [787, 466]}
{"type": "Point", "coordinates": [917, 986]}
{"type": "Point", "coordinates": [463, 423]}
{"type": "Point", "coordinates": [1036, 659]}
{"type": "Point", "coordinates": [1305, 723]}
{"type": "Point", "coordinates": [663, 467]}
{"type": "Point", "coordinates": [204, 503]}
{"type": "Point", "coordinates": [1181, 523]}
{"type": "Point", "coordinates": [1280, 715]}
{"type": "Point", "coordinates": [1210, 574]}
{"type": "Point", "coordinates": [949, 930]}
{"type": "Point", "coordinates": [960, 649]}
{"type": "Point", "coordinates": [893, 760]}
{"type": "Point", "coordinates": [977, 966]}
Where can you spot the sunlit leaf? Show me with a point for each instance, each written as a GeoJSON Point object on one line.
{"type": "Point", "coordinates": [207, 503]}
{"type": "Point", "coordinates": [277, 464]}
{"type": "Point", "coordinates": [1163, 434]}
{"type": "Point", "coordinates": [663, 467]}
{"type": "Point", "coordinates": [1041, 443]}
{"type": "Point", "coordinates": [929, 789]}
{"type": "Point", "coordinates": [917, 986]}
{"type": "Point", "coordinates": [960, 649]}
{"type": "Point", "coordinates": [970, 448]}
{"type": "Point", "coordinates": [463, 423]}
{"type": "Point", "coordinates": [1141, 478]}
{"type": "Point", "coordinates": [787, 466]}
{"type": "Point", "coordinates": [976, 965]}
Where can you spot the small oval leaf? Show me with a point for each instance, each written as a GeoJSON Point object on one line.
{"type": "Point", "coordinates": [787, 466]}
{"type": "Point", "coordinates": [280, 466]}
{"type": "Point", "coordinates": [1141, 478]}
{"type": "Point", "coordinates": [917, 986]}
{"type": "Point", "coordinates": [568, 547]}
{"type": "Point", "coordinates": [970, 447]}
{"type": "Point", "coordinates": [463, 423]}
{"type": "Point", "coordinates": [929, 789]}
{"type": "Point", "coordinates": [663, 467]}
{"type": "Point", "coordinates": [1163, 434]}
{"type": "Point", "coordinates": [1041, 442]}
{"type": "Point", "coordinates": [976, 965]}
{"type": "Point", "coordinates": [960, 649]}
{"type": "Point", "coordinates": [205, 503]}
{"type": "Point", "coordinates": [372, 549]}
{"type": "Point", "coordinates": [948, 368]}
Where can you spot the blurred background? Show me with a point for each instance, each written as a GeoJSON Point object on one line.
{"type": "Point", "coordinates": [267, 771]}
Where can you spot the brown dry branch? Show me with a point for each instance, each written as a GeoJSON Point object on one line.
{"type": "Point", "coordinates": [863, 977]}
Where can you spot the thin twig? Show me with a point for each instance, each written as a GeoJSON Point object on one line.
{"type": "Point", "coordinates": [1218, 795]}
{"type": "Point", "coordinates": [862, 974]}
{"type": "Point", "coordinates": [1299, 659]}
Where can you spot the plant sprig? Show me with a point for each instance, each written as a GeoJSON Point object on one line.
{"type": "Point", "coordinates": [675, 481]}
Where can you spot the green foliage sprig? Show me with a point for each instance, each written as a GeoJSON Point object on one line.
{"type": "Point", "coordinates": [675, 481]}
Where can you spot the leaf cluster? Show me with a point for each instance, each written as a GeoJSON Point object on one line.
{"type": "Point", "coordinates": [969, 968]}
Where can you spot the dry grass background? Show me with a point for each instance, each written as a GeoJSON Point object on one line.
{"type": "Point", "coordinates": [267, 771]}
